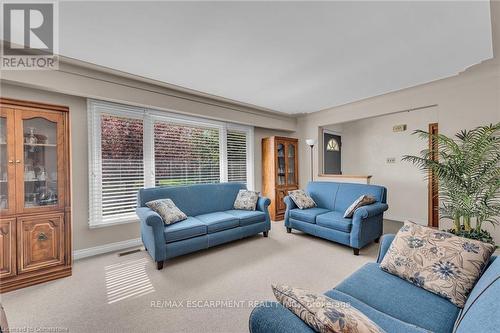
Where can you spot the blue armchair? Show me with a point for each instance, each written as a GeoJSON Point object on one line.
{"type": "Point", "coordinates": [327, 219]}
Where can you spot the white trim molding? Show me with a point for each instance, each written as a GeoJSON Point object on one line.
{"type": "Point", "coordinates": [106, 248]}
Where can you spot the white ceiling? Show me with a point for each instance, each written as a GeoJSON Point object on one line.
{"type": "Point", "coordinates": [286, 56]}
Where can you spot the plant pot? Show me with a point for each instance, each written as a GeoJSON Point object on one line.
{"type": "Point", "coordinates": [481, 235]}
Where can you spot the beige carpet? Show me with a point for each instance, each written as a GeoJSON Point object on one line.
{"type": "Point", "coordinates": [208, 291]}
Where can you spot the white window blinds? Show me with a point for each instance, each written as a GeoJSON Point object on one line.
{"type": "Point", "coordinates": [131, 148]}
{"type": "Point", "coordinates": [122, 165]}
{"type": "Point", "coordinates": [236, 156]}
{"type": "Point", "coordinates": [186, 154]}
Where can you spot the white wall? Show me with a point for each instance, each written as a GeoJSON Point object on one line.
{"type": "Point", "coordinates": [366, 145]}
{"type": "Point", "coordinates": [464, 101]}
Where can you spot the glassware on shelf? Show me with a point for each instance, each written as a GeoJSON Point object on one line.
{"type": "Point", "coordinates": [31, 139]}
{"type": "Point", "coordinates": [40, 162]}
{"type": "Point", "coordinates": [29, 172]}
{"type": "Point", "coordinates": [42, 176]}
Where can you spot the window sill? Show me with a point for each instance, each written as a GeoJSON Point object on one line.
{"type": "Point", "coordinates": [110, 223]}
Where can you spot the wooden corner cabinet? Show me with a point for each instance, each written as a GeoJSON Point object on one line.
{"type": "Point", "coordinates": [280, 172]}
{"type": "Point", "coordinates": [35, 212]}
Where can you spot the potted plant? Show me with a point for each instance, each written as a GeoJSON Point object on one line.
{"type": "Point", "coordinates": [468, 173]}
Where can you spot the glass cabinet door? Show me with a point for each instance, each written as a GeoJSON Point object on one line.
{"type": "Point", "coordinates": [40, 165]}
{"type": "Point", "coordinates": [281, 164]}
{"type": "Point", "coordinates": [291, 167]}
{"type": "Point", "coordinates": [7, 162]}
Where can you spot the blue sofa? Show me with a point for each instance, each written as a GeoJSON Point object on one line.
{"type": "Point", "coordinates": [327, 219]}
{"type": "Point", "coordinates": [397, 305]}
{"type": "Point", "coordinates": [211, 219]}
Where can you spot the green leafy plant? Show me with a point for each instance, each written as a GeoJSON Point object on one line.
{"type": "Point", "coordinates": [468, 171]}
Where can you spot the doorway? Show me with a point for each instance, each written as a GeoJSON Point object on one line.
{"type": "Point", "coordinates": [433, 195]}
{"type": "Point", "coordinates": [332, 154]}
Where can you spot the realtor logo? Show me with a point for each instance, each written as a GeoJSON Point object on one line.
{"type": "Point", "coordinates": [29, 36]}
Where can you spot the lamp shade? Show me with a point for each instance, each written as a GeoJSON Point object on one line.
{"type": "Point", "coordinates": [310, 142]}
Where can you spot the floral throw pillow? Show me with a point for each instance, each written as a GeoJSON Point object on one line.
{"type": "Point", "coordinates": [246, 200]}
{"type": "Point", "coordinates": [167, 210]}
{"type": "Point", "coordinates": [302, 199]}
{"type": "Point", "coordinates": [324, 314]}
{"type": "Point", "coordinates": [363, 200]}
{"type": "Point", "coordinates": [437, 261]}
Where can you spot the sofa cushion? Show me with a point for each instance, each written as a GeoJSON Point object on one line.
{"type": "Point", "coordinates": [218, 221]}
{"type": "Point", "coordinates": [194, 199]}
{"type": "Point", "coordinates": [273, 317]}
{"type": "Point", "coordinates": [439, 262]}
{"type": "Point", "coordinates": [334, 220]}
{"type": "Point", "coordinates": [384, 321]}
{"type": "Point", "coordinates": [323, 313]}
{"type": "Point", "coordinates": [400, 299]}
{"type": "Point", "coordinates": [307, 215]}
{"type": "Point", "coordinates": [247, 217]}
{"type": "Point", "coordinates": [189, 228]}
{"type": "Point", "coordinates": [347, 193]}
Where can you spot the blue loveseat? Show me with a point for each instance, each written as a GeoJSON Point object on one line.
{"type": "Point", "coordinates": [396, 305]}
{"type": "Point", "coordinates": [211, 219]}
{"type": "Point", "coordinates": [327, 219]}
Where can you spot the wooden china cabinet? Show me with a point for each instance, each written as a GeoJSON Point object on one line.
{"type": "Point", "coordinates": [280, 172]}
{"type": "Point", "coordinates": [35, 226]}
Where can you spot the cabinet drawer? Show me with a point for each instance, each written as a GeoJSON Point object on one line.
{"type": "Point", "coordinates": [40, 242]}
{"type": "Point", "coordinates": [8, 247]}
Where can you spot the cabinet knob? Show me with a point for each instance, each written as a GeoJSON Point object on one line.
{"type": "Point", "coordinates": [42, 236]}
{"type": "Point", "coordinates": [18, 161]}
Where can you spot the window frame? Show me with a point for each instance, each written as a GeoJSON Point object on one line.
{"type": "Point", "coordinates": [96, 108]}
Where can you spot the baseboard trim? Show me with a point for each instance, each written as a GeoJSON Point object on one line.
{"type": "Point", "coordinates": [101, 249]}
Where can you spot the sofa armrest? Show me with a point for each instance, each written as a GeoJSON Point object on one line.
{"type": "Point", "coordinates": [367, 224]}
{"type": "Point", "coordinates": [263, 203]}
{"type": "Point", "coordinates": [289, 206]}
{"type": "Point", "coordinates": [152, 232]}
{"type": "Point", "coordinates": [385, 243]}
{"type": "Point", "coordinates": [149, 216]}
{"type": "Point", "coordinates": [370, 210]}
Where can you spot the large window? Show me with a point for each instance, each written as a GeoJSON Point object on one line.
{"type": "Point", "coordinates": [186, 154]}
{"type": "Point", "coordinates": [131, 148]}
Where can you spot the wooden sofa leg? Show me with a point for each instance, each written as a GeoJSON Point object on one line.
{"type": "Point", "coordinates": [288, 230]}
{"type": "Point", "coordinates": [159, 265]}
{"type": "Point", "coordinates": [377, 240]}
{"type": "Point", "coordinates": [265, 233]}
{"type": "Point", "coordinates": [356, 251]}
